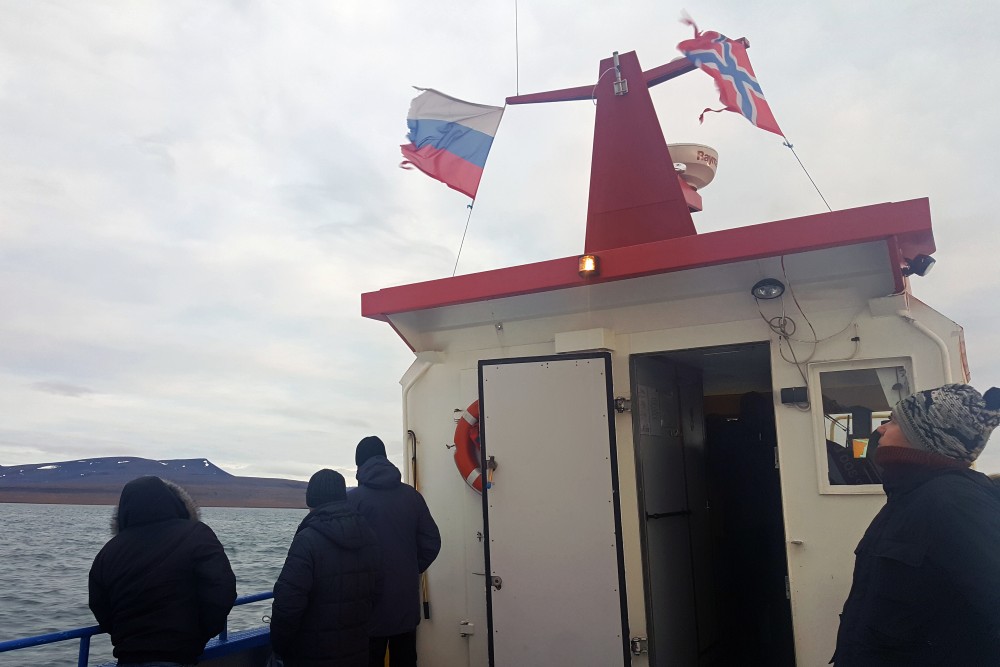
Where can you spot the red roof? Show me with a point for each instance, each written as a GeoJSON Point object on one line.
{"type": "Point", "coordinates": [905, 226]}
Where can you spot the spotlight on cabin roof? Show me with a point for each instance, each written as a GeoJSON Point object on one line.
{"type": "Point", "coordinates": [768, 288]}
{"type": "Point", "coordinates": [589, 266]}
{"type": "Point", "coordinates": [920, 265]}
{"type": "Point", "coordinates": [695, 163]}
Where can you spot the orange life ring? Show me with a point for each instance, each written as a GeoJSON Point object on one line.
{"type": "Point", "coordinates": [467, 453]}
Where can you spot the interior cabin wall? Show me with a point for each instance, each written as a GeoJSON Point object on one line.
{"type": "Point", "coordinates": [671, 458]}
{"type": "Point", "coordinates": [668, 558]}
{"type": "Point", "coordinates": [714, 555]}
{"type": "Point", "coordinates": [749, 538]}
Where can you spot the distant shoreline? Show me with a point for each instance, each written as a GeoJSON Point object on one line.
{"type": "Point", "coordinates": [100, 481]}
{"type": "Point", "coordinates": [203, 496]}
{"type": "Point", "coordinates": [112, 505]}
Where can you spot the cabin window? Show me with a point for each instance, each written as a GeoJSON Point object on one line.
{"type": "Point", "coordinates": [853, 402]}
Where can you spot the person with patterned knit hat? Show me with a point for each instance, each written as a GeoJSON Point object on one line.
{"type": "Point", "coordinates": [926, 588]}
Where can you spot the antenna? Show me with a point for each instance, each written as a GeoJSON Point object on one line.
{"type": "Point", "coordinates": [517, 55]}
{"type": "Point", "coordinates": [621, 85]}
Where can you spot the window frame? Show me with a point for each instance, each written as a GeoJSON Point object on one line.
{"type": "Point", "coordinates": [815, 370]}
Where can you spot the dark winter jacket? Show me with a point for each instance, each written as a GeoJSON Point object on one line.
{"type": "Point", "coordinates": [162, 587]}
{"type": "Point", "coordinates": [409, 539]}
{"type": "Point", "coordinates": [926, 587]}
{"type": "Point", "coordinates": [324, 597]}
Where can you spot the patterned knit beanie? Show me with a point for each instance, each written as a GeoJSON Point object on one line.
{"type": "Point", "coordinates": [953, 420]}
{"type": "Point", "coordinates": [325, 486]}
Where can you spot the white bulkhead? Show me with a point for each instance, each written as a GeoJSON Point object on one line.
{"type": "Point", "coordinates": [675, 518]}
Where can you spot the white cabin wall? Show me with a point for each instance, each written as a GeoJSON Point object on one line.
{"type": "Point", "coordinates": [456, 581]}
{"type": "Point", "coordinates": [829, 526]}
{"type": "Point", "coordinates": [456, 592]}
{"type": "Point", "coordinates": [457, 509]}
{"type": "Point", "coordinates": [430, 402]}
{"type": "Point", "coordinates": [663, 301]}
{"type": "Point", "coordinates": [950, 332]}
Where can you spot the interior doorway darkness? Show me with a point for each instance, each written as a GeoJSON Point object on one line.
{"type": "Point", "coordinates": [711, 508]}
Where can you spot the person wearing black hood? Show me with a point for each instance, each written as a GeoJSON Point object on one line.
{"type": "Point", "coordinates": [926, 587]}
{"type": "Point", "coordinates": [162, 587]}
{"type": "Point", "coordinates": [410, 542]}
{"type": "Point", "coordinates": [324, 595]}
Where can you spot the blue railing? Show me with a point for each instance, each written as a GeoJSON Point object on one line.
{"type": "Point", "coordinates": [219, 646]}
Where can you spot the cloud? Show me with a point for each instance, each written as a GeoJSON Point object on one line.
{"type": "Point", "coordinates": [194, 196]}
{"type": "Point", "coordinates": [62, 389]}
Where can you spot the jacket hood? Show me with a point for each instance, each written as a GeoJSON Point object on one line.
{"type": "Point", "coordinates": [150, 500]}
{"type": "Point", "coordinates": [337, 522]}
{"type": "Point", "coordinates": [378, 473]}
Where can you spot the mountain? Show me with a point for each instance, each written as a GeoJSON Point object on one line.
{"type": "Point", "coordinates": [99, 482]}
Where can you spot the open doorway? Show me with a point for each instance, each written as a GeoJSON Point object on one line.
{"type": "Point", "coordinates": [710, 502]}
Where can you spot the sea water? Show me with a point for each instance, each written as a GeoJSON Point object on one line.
{"type": "Point", "coordinates": [46, 552]}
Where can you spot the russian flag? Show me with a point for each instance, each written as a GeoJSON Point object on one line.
{"type": "Point", "coordinates": [450, 139]}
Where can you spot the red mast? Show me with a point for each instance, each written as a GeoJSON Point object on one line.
{"type": "Point", "coordinates": [635, 193]}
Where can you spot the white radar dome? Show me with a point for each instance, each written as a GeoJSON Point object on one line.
{"type": "Point", "coordinates": [699, 162]}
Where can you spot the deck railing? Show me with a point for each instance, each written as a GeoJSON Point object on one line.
{"type": "Point", "coordinates": [221, 645]}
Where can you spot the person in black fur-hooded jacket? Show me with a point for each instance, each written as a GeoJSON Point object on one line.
{"type": "Point", "coordinates": [926, 587]}
{"type": "Point", "coordinates": [162, 586]}
{"type": "Point", "coordinates": [324, 596]}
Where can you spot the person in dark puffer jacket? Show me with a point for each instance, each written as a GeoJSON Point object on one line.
{"type": "Point", "coordinates": [332, 576]}
{"type": "Point", "coordinates": [162, 587]}
{"type": "Point", "coordinates": [410, 542]}
{"type": "Point", "coordinates": [926, 587]}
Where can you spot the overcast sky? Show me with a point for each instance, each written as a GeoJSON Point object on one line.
{"type": "Point", "coordinates": [193, 195]}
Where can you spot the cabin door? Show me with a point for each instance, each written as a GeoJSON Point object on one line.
{"type": "Point", "coordinates": [710, 506]}
{"type": "Point", "coordinates": [555, 588]}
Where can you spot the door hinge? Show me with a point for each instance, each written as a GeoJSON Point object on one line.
{"type": "Point", "coordinates": [788, 589]}
{"type": "Point", "coordinates": [640, 645]}
{"type": "Point", "coordinates": [623, 404]}
{"type": "Point", "coordinates": [777, 465]}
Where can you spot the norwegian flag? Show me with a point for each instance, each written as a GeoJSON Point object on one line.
{"type": "Point", "coordinates": [726, 61]}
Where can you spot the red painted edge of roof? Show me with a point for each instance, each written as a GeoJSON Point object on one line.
{"type": "Point", "coordinates": [908, 221]}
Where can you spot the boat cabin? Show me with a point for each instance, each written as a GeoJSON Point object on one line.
{"type": "Point", "coordinates": [658, 452]}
